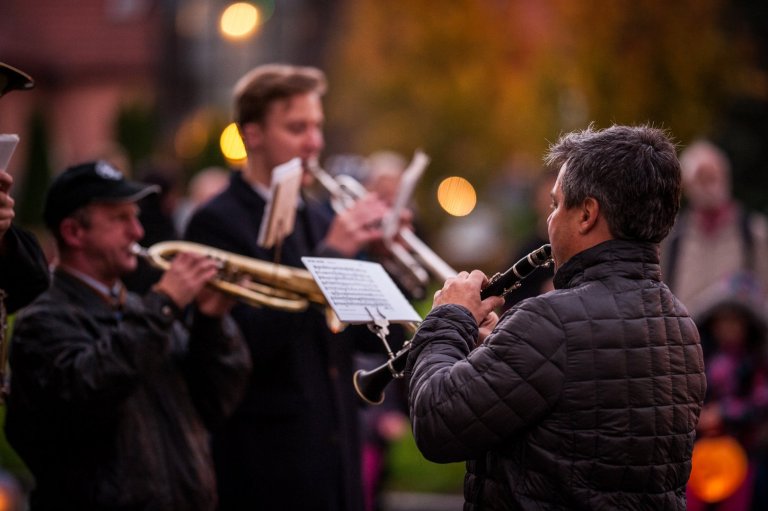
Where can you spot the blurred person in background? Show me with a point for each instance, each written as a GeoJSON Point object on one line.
{"type": "Point", "coordinates": [585, 397]}
{"type": "Point", "coordinates": [294, 441]}
{"type": "Point", "coordinates": [23, 268]}
{"type": "Point", "coordinates": [383, 173]}
{"type": "Point", "coordinates": [715, 236]}
{"type": "Point", "coordinates": [23, 272]}
{"type": "Point", "coordinates": [203, 186]}
{"type": "Point", "coordinates": [113, 393]}
{"type": "Point", "coordinates": [733, 326]}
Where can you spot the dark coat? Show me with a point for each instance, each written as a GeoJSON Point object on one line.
{"type": "Point", "coordinates": [293, 443]}
{"type": "Point", "coordinates": [23, 270]}
{"type": "Point", "coordinates": [109, 408]}
{"type": "Point", "coordinates": [586, 397]}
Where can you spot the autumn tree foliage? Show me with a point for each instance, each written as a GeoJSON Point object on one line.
{"type": "Point", "coordinates": [482, 83]}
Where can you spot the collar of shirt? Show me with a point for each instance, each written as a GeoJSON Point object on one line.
{"type": "Point", "coordinates": [114, 295]}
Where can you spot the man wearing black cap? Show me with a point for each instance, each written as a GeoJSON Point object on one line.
{"type": "Point", "coordinates": [112, 397]}
{"type": "Point", "coordinates": [23, 269]}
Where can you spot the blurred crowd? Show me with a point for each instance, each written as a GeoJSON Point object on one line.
{"type": "Point", "coordinates": [716, 262]}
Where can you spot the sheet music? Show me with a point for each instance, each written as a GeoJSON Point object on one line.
{"type": "Point", "coordinates": [8, 144]}
{"type": "Point", "coordinates": [390, 224]}
{"type": "Point", "coordinates": [280, 211]}
{"type": "Point", "coordinates": [356, 288]}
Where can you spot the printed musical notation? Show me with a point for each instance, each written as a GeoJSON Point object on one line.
{"type": "Point", "coordinates": [357, 290]}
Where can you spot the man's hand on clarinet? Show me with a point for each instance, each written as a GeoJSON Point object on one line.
{"type": "Point", "coordinates": [464, 289]}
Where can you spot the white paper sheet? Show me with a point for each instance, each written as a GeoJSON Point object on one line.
{"type": "Point", "coordinates": [280, 212]}
{"type": "Point", "coordinates": [8, 144]}
{"type": "Point", "coordinates": [360, 291]}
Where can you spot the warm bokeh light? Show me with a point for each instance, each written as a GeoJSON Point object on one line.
{"type": "Point", "coordinates": [457, 196]}
{"type": "Point", "coordinates": [718, 468]}
{"type": "Point", "coordinates": [239, 20]}
{"type": "Point", "coordinates": [9, 498]}
{"type": "Point", "coordinates": [232, 144]}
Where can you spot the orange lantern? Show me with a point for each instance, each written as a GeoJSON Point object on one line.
{"type": "Point", "coordinates": [719, 467]}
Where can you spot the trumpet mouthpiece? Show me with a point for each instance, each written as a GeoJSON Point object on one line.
{"type": "Point", "coordinates": [138, 250]}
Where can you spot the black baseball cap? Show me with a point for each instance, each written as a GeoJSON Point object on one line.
{"type": "Point", "coordinates": [14, 79]}
{"type": "Point", "coordinates": [88, 183]}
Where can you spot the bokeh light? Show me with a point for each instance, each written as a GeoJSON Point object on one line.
{"type": "Point", "coordinates": [457, 196]}
{"type": "Point", "coordinates": [239, 20]}
{"type": "Point", "coordinates": [718, 468]}
{"type": "Point", "coordinates": [232, 144]}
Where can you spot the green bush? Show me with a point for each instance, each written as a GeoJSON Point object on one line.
{"type": "Point", "coordinates": [409, 471]}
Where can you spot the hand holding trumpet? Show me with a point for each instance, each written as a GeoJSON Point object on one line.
{"type": "Point", "coordinates": [186, 280]}
{"type": "Point", "coordinates": [357, 226]}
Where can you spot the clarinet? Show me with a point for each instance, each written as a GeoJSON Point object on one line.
{"type": "Point", "coordinates": [502, 283]}
{"type": "Point", "coordinates": [370, 385]}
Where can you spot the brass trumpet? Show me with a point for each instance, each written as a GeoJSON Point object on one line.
{"type": "Point", "coordinates": [252, 281]}
{"type": "Point", "coordinates": [412, 262]}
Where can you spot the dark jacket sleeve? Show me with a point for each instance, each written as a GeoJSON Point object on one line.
{"type": "Point", "coordinates": [218, 367]}
{"type": "Point", "coordinates": [23, 270]}
{"type": "Point", "coordinates": [464, 402]}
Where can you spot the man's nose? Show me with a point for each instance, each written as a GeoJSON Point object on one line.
{"type": "Point", "coordinates": [315, 139]}
{"type": "Point", "coordinates": [136, 229]}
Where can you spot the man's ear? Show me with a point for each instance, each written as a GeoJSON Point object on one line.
{"type": "Point", "coordinates": [590, 212]}
{"type": "Point", "coordinates": [71, 231]}
{"type": "Point", "coordinates": [252, 134]}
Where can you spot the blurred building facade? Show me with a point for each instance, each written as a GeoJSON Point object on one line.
{"type": "Point", "coordinates": [93, 58]}
{"type": "Point", "coordinates": [86, 58]}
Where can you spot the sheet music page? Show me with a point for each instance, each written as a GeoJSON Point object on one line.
{"type": "Point", "coordinates": [8, 144]}
{"type": "Point", "coordinates": [390, 224]}
{"type": "Point", "coordinates": [280, 211]}
{"type": "Point", "coordinates": [355, 288]}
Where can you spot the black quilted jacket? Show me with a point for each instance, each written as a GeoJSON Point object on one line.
{"type": "Point", "coordinates": [586, 397]}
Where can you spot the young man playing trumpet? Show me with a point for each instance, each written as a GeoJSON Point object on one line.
{"type": "Point", "coordinates": [293, 442]}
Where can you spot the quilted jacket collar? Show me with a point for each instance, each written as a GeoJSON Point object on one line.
{"type": "Point", "coordinates": [631, 259]}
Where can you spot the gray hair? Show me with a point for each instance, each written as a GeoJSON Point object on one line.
{"type": "Point", "coordinates": [632, 171]}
